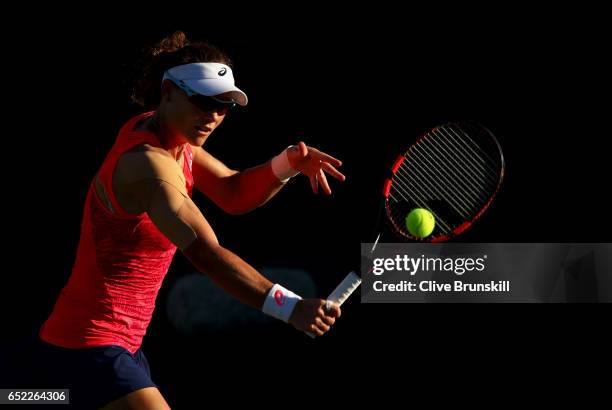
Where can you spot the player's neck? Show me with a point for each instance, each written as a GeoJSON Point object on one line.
{"type": "Point", "coordinates": [169, 140]}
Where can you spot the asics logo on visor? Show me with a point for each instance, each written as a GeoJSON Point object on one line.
{"type": "Point", "coordinates": [222, 72]}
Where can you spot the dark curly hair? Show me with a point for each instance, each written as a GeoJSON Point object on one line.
{"type": "Point", "coordinates": [172, 51]}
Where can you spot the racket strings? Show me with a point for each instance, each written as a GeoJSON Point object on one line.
{"type": "Point", "coordinates": [461, 197]}
{"type": "Point", "coordinates": [456, 130]}
{"type": "Point", "coordinates": [466, 190]}
{"type": "Point", "coordinates": [433, 194]}
{"type": "Point", "coordinates": [435, 190]}
{"type": "Point", "coordinates": [470, 182]}
{"type": "Point", "coordinates": [486, 171]}
{"type": "Point", "coordinates": [447, 166]}
{"type": "Point", "coordinates": [475, 179]}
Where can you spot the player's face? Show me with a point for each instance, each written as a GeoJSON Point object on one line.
{"type": "Point", "coordinates": [194, 119]}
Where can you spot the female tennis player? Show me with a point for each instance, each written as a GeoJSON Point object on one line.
{"type": "Point", "coordinates": [139, 210]}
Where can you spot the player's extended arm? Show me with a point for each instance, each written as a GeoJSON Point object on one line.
{"type": "Point", "coordinates": [160, 188]}
{"type": "Point", "coordinates": [241, 192]}
{"type": "Point", "coordinates": [234, 192]}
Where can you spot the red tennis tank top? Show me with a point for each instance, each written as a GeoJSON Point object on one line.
{"type": "Point", "coordinates": [120, 264]}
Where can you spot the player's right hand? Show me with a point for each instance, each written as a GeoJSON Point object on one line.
{"type": "Point", "coordinates": [314, 316]}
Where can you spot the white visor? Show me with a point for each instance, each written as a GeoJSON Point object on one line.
{"type": "Point", "coordinates": [209, 79]}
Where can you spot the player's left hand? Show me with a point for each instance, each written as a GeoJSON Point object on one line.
{"type": "Point", "coordinates": [314, 164]}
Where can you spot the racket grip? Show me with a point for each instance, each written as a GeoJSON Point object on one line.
{"type": "Point", "coordinates": [343, 291]}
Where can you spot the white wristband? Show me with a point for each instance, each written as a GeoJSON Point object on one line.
{"type": "Point", "coordinates": [280, 303]}
{"type": "Point", "coordinates": [281, 166]}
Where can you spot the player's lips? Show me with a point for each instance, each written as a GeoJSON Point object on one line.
{"type": "Point", "coordinates": [202, 129]}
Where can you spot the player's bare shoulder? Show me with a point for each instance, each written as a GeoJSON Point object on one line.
{"type": "Point", "coordinates": [138, 174]}
{"type": "Point", "coordinates": [146, 162]}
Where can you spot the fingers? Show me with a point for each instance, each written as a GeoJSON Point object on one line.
{"type": "Point", "coordinates": [328, 320]}
{"type": "Point", "coordinates": [320, 178]}
{"type": "Point", "coordinates": [319, 327]}
{"type": "Point", "coordinates": [331, 170]}
{"type": "Point", "coordinates": [303, 149]}
{"type": "Point", "coordinates": [314, 329]}
{"type": "Point", "coordinates": [322, 325]}
{"type": "Point", "coordinates": [323, 316]}
{"type": "Point", "coordinates": [315, 153]}
{"type": "Point", "coordinates": [323, 181]}
{"type": "Point", "coordinates": [333, 310]}
{"type": "Point", "coordinates": [314, 184]}
{"type": "Point", "coordinates": [324, 313]}
{"type": "Point", "coordinates": [313, 162]}
{"type": "Point", "coordinates": [325, 157]}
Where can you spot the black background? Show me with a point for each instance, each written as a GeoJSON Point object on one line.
{"type": "Point", "coordinates": [360, 84]}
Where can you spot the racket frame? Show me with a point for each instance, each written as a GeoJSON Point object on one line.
{"type": "Point", "coordinates": [465, 225]}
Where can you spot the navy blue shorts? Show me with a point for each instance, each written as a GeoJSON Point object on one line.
{"type": "Point", "coordinates": [95, 376]}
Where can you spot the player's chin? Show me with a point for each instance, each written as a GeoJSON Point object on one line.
{"type": "Point", "coordinates": [197, 136]}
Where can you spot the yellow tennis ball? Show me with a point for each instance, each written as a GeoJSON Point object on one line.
{"type": "Point", "coordinates": [420, 222]}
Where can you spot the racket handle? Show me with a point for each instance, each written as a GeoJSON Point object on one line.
{"type": "Point", "coordinates": [343, 291]}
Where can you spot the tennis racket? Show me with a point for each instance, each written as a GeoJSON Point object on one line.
{"type": "Point", "coordinates": [454, 171]}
